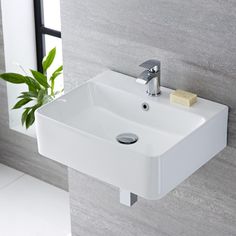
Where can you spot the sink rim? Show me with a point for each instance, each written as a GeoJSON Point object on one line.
{"type": "Point", "coordinates": [101, 81]}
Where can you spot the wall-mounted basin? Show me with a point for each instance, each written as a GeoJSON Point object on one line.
{"type": "Point", "coordinates": [80, 130]}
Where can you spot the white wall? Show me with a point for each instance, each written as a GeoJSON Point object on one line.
{"type": "Point", "coordinates": [19, 47]}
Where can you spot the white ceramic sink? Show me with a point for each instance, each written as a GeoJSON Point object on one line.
{"type": "Point", "coordinates": [80, 128]}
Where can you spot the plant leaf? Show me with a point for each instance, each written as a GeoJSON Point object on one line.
{"type": "Point", "coordinates": [54, 76]}
{"type": "Point", "coordinates": [31, 115]}
{"type": "Point", "coordinates": [30, 118]}
{"type": "Point", "coordinates": [29, 94]}
{"type": "Point", "coordinates": [41, 78]}
{"type": "Point", "coordinates": [57, 72]}
{"type": "Point", "coordinates": [24, 116]}
{"type": "Point", "coordinates": [40, 95]}
{"type": "Point", "coordinates": [13, 78]}
{"type": "Point", "coordinates": [33, 85]}
{"type": "Point", "coordinates": [59, 69]}
{"type": "Point", "coordinates": [48, 60]}
{"type": "Point", "coordinates": [21, 103]}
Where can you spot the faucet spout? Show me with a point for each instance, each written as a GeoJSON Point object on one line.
{"type": "Point", "coordinates": [144, 77]}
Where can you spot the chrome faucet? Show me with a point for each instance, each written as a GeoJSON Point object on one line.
{"type": "Point", "coordinates": [151, 76]}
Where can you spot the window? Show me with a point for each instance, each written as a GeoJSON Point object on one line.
{"type": "Point", "coordinates": [48, 33]}
{"type": "Point", "coordinates": [19, 27]}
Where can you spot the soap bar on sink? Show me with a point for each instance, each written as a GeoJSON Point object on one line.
{"type": "Point", "coordinates": [183, 97]}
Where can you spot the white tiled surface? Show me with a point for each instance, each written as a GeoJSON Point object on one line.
{"type": "Point", "coordinates": [30, 207]}
{"type": "Point", "coordinates": [8, 176]}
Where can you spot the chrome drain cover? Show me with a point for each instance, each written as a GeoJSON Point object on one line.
{"type": "Point", "coordinates": [127, 138]}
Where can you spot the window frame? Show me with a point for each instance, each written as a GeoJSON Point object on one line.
{"type": "Point", "coordinates": [40, 32]}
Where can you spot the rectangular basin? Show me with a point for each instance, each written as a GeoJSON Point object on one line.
{"type": "Point", "coordinates": [80, 128]}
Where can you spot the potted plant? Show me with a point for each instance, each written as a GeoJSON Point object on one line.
{"type": "Point", "coordinates": [41, 88]}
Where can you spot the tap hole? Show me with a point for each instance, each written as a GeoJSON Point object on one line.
{"type": "Point", "coordinates": [145, 106]}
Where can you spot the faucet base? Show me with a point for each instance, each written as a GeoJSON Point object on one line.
{"type": "Point", "coordinates": [153, 86]}
{"type": "Point", "coordinates": [153, 95]}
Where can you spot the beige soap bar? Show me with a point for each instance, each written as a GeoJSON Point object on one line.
{"type": "Point", "coordinates": [183, 97]}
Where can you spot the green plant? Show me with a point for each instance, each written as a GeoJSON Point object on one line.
{"type": "Point", "coordinates": [41, 88]}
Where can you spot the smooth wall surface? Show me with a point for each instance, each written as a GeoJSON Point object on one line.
{"type": "Point", "coordinates": [195, 41]}
{"type": "Point", "coordinates": [18, 50]}
{"type": "Point", "coordinates": [20, 151]}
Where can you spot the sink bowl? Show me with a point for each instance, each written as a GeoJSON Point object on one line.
{"type": "Point", "coordinates": [80, 130]}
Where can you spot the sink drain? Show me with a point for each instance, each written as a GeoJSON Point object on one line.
{"type": "Point", "coordinates": [127, 138]}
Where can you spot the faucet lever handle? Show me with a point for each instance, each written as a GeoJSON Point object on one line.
{"type": "Point", "coordinates": [152, 65]}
